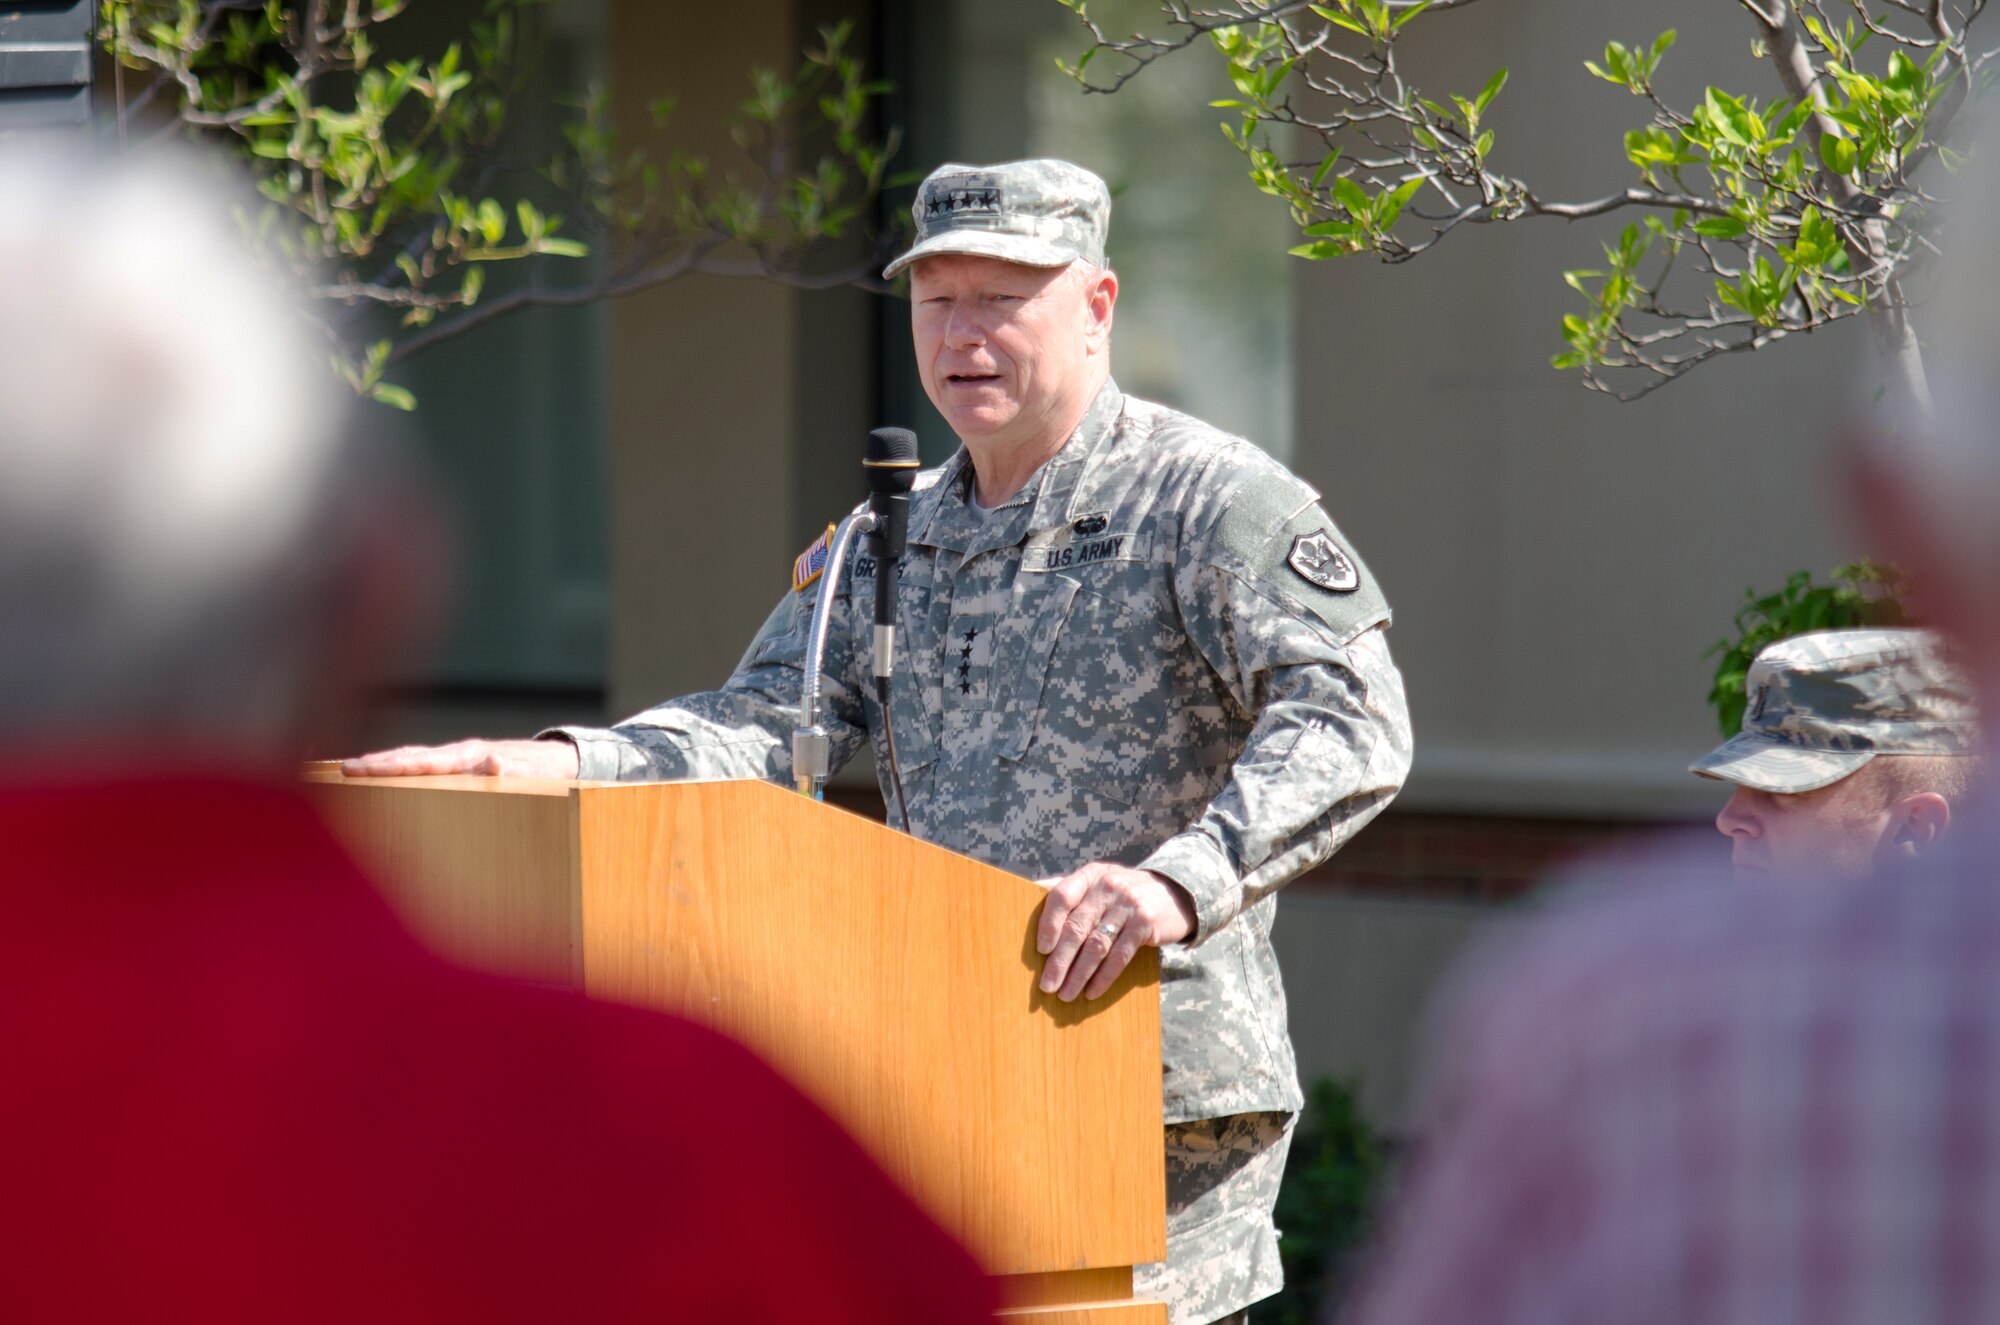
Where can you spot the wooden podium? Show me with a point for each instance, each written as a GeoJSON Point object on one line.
{"type": "Point", "coordinates": [891, 980]}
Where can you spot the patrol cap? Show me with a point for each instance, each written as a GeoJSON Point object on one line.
{"type": "Point", "coordinates": [1043, 213]}
{"type": "Point", "coordinates": [1822, 705]}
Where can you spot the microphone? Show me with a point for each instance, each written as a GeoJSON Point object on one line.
{"type": "Point", "coordinates": [890, 464]}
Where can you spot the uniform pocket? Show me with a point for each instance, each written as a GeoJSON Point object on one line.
{"type": "Point", "coordinates": [1089, 690]}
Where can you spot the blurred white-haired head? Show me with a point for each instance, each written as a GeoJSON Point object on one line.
{"type": "Point", "coordinates": [179, 484]}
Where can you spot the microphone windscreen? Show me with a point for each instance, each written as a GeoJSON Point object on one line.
{"type": "Point", "coordinates": [890, 460]}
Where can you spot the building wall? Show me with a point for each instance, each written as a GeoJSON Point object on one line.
{"type": "Point", "coordinates": [702, 384]}
{"type": "Point", "coordinates": [728, 396]}
{"type": "Point", "coordinates": [1360, 976]}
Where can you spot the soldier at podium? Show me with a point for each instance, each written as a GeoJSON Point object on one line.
{"type": "Point", "coordinates": [1141, 662]}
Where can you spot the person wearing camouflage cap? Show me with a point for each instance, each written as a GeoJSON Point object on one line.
{"type": "Point", "coordinates": [1857, 745]}
{"type": "Point", "coordinates": [1143, 664]}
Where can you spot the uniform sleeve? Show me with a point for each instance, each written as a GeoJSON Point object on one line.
{"type": "Point", "coordinates": [1293, 623]}
{"type": "Point", "coordinates": [743, 730]}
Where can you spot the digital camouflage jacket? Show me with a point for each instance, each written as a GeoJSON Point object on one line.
{"type": "Point", "coordinates": [1161, 652]}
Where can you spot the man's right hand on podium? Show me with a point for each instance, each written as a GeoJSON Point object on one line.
{"type": "Point", "coordinates": [514, 759]}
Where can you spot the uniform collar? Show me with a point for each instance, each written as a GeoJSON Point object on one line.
{"type": "Point", "coordinates": [946, 520]}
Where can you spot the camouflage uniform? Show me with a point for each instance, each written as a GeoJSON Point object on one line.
{"type": "Point", "coordinates": [1161, 653]}
{"type": "Point", "coordinates": [1135, 659]}
{"type": "Point", "coordinates": [1222, 1182]}
{"type": "Point", "coordinates": [1822, 705]}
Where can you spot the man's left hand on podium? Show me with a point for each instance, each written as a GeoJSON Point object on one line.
{"type": "Point", "coordinates": [1097, 918]}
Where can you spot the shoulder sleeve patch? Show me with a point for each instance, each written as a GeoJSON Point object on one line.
{"type": "Point", "coordinates": [811, 563]}
{"type": "Point", "coordinates": [1275, 533]}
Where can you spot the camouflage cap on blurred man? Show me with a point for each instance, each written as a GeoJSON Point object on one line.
{"type": "Point", "coordinates": [1043, 213]}
{"type": "Point", "coordinates": [1822, 705]}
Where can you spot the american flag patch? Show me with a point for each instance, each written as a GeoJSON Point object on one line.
{"type": "Point", "coordinates": [812, 561]}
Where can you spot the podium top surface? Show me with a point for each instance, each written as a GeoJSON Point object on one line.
{"type": "Point", "coordinates": [328, 771]}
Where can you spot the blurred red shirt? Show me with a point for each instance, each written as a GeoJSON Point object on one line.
{"type": "Point", "coordinates": [234, 1088]}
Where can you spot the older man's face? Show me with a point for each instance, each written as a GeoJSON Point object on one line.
{"type": "Point", "coordinates": [1005, 351]}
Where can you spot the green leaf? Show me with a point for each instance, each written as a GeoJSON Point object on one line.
{"type": "Point", "coordinates": [1350, 195]}
{"type": "Point", "coordinates": [1619, 61]}
{"type": "Point", "coordinates": [1720, 227]}
{"type": "Point", "coordinates": [1409, 14]}
{"type": "Point", "coordinates": [1793, 121]}
{"type": "Point", "coordinates": [1490, 91]}
{"type": "Point", "coordinates": [1325, 248]}
{"type": "Point", "coordinates": [565, 248]}
{"type": "Point", "coordinates": [1726, 113]}
{"type": "Point", "coordinates": [1631, 244]}
{"type": "Point", "coordinates": [1390, 205]}
{"type": "Point", "coordinates": [1838, 154]}
{"type": "Point", "coordinates": [1325, 167]}
{"type": "Point", "coordinates": [1904, 74]}
{"type": "Point", "coordinates": [492, 220]}
{"type": "Point", "coordinates": [395, 397]}
{"type": "Point", "coordinates": [532, 225]}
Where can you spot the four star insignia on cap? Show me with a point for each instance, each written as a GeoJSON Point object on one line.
{"type": "Point", "coordinates": [1319, 560]}
{"type": "Point", "coordinates": [947, 202]}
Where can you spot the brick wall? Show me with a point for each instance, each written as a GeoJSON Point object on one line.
{"type": "Point", "coordinates": [1439, 857]}
{"type": "Point", "coordinates": [1464, 857]}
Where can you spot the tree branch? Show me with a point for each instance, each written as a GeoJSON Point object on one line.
{"type": "Point", "coordinates": [691, 261]}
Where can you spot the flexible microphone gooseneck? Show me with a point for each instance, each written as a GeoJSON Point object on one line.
{"type": "Point", "coordinates": [890, 463]}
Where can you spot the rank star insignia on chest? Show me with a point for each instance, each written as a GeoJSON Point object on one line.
{"type": "Point", "coordinates": [1319, 560]}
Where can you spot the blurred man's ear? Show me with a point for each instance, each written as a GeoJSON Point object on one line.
{"type": "Point", "coordinates": [1917, 821]}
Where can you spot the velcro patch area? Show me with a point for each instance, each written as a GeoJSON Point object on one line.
{"type": "Point", "coordinates": [811, 563]}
